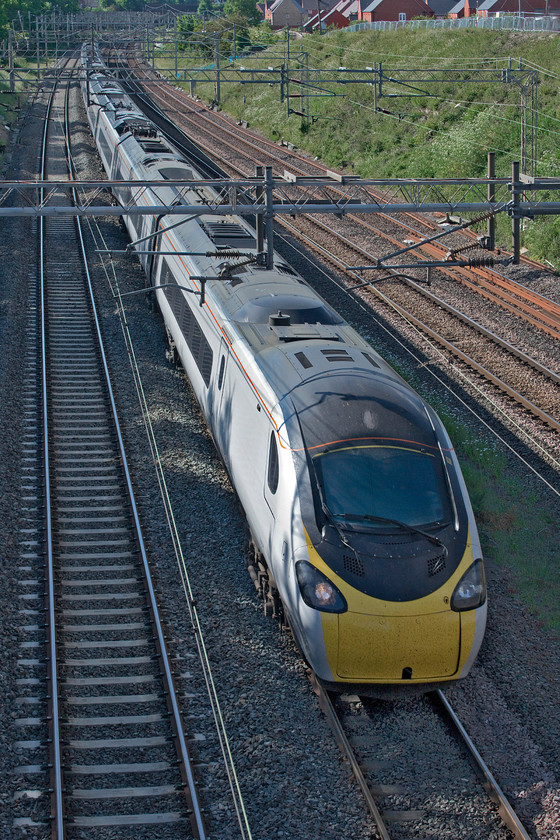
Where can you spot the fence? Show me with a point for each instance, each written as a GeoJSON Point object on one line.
{"type": "Point", "coordinates": [518, 23]}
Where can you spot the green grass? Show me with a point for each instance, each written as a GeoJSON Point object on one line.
{"type": "Point", "coordinates": [517, 526]}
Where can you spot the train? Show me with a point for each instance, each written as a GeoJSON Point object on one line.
{"type": "Point", "coordinates": [363, 533]}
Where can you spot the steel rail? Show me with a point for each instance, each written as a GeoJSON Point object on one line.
{"type": "Point", "coordinates": [59, 828]}
{"type": "Point", "coordinates": [344, 744]}
{"type": "Point", "coordinates": [520, 301]}
{"type": "Point", "coordinates": [531, 307]}
{"type": "Point", "coordinates": [523, 357]}
{"type": "Point", "coordinates": [547, 304]}
{"type": "Point", "coordinates": [196, 809]}
{"type": "Point", "coordinates": [539, 318]}
{"type": "Point", "coordinates": [489, 782]}
{"type": "Point", "coordinates": [501, 342]}
{"type": "Point", "coordinates": [58, 823]}
{"type": "Point", "coordinates": [440, 302]}
{"type": "Point", "coordinates": [443, 707]}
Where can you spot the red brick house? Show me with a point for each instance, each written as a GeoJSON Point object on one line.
{"type": "Point", "coordinates": [283, 13]}
{"type": "Point", "coordinates": [373, 10]}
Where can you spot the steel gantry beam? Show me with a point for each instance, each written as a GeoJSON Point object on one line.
{"type": "Point", "coordinates": [266, 196]}
{"type": "Point", "coordinates": [291, 195]}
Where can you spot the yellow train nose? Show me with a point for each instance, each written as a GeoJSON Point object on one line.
{"type": "Point", "coordinates": [391, 648]}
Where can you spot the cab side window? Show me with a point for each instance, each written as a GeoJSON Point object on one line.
{"type": "Point", "coordinates": [273, 466]}
{"type": "Point", "coordinates": [221, 373]}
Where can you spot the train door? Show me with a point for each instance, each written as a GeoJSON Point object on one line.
{"type": "Point", "coordinates": [277, 540]}
{"type": "Point", "coordinates": [272, 473]}
{"type": "Point", "coordinates": [221, 403]}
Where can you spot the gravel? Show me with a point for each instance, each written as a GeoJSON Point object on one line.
{"type": "Point", "coordinates": [293, 781]}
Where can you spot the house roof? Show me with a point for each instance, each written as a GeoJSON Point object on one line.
{"type": "Point", "coordinates": [441, 7]}
{"type": "Point", "coordinates": [370, 7]}
{"type": "Point", "coordinates": [331, 18]}
{"type": "Point", "coordinates": [347, 7]}
{"type": "Point", "coordinates": [374, 4]}
{"type": "Point", "coordinates": [277, 3]}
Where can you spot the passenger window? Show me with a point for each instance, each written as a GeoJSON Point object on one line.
{"type": "Point", "coordinates": [273, 464]}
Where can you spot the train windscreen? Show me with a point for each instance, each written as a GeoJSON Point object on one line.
{"type": "Point", "coordinates": [364, 487]}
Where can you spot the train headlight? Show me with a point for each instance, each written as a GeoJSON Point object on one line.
{"type": "Point", "coordinates": [470, 592]}
{"type": "Point", "coordinates": [317, 590]}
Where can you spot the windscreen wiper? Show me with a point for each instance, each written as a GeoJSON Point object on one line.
{"type": "Point", "coordinates": [332, 519]}
{"type": "Point", "coordinates": [358, 517]}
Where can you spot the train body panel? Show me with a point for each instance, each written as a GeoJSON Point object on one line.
{"type": "Point", "coordinates": [349, 481]}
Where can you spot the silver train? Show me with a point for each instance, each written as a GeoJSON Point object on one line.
{"type": "Point", "coordinates": [350, 484]}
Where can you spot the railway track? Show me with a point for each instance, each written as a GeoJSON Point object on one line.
{"type": "Point", "coordinates": [523, 379]}
{"type": "Point", "coordinates": [525, 374]}
{"type": "Point", "coordinates": [212, 128]}
{"type": "Point", "coordinates": [119, 755]}
{"type": "Point", "coordinates": [382, 751]}
{"type": "Point", "coordinates": [499, 289]}
{"type": "Point", "coordinates": [34, 629]}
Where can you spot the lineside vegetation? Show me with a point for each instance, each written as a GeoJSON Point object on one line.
{"type": "Point", "coordinates": [442, 130]}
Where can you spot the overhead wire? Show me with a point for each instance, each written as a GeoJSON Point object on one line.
{"type": "Point", "coordinates": [451, 365]}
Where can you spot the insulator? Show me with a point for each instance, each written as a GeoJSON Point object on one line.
{"type": "Point", "coordinates": [481, 262]}
{"type": "Point", "coordinates": [452, 254]}
{"type": "Point", "coordinates": [482, 217]}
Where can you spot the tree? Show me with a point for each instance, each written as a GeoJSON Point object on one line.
{"type": "Point", "coordinates": [246, 9]}
{"type": "Point", "coordinates": [19, 11]}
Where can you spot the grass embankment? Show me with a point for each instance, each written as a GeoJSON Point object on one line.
{"type": "Point", "coordinates": [517, 526]}
{"type": "Point", "coordinates": [447, 133]}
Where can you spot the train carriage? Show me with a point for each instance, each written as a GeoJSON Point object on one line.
{"type": "Point", "coordinates": [350, 484]}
